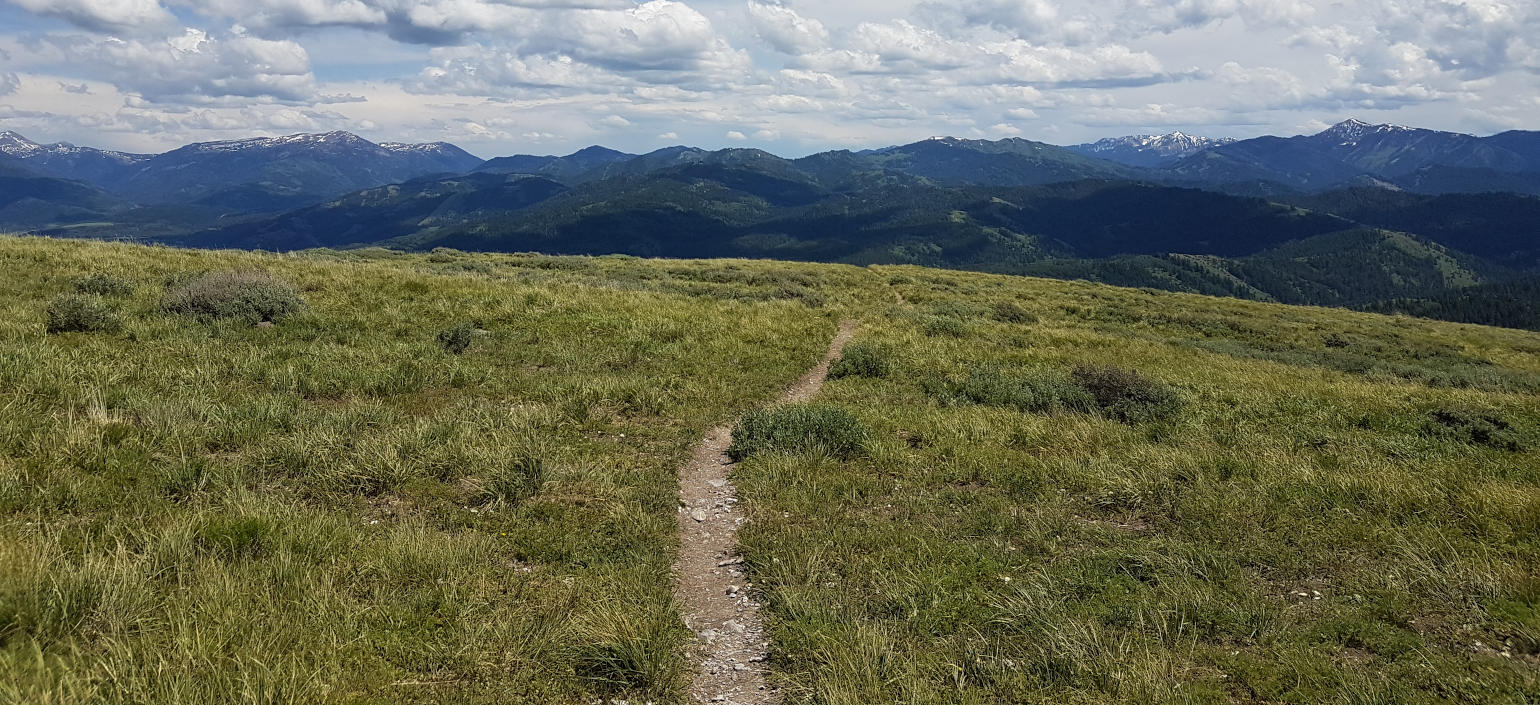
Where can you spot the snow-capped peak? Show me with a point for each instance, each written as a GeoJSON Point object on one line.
{"type": "Point", "coordinates": [1351, 131]}
{"type": "Point", "coordinates": [17, 146]}
{"type": "Point", "coordinates": [414, 147]}
{"type": "Point", "coordinates": [338, 138]}
{"type": "Point", "coordinates": [1175, 144]}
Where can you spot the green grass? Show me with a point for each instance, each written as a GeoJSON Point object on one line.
{"type": "Point", "coordinates": [1293, 531]}
{"type": "Point", "coordinates": [337, 509]}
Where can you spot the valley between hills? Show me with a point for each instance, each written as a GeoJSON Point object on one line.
{"type": "Point", "coordinates": [1371, 217]}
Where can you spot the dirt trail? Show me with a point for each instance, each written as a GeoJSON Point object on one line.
{"type": "Point", "coordinates": [718, 604]}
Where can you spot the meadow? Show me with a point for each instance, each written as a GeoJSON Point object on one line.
{"type": "Point", "coordinates": [450, 478]}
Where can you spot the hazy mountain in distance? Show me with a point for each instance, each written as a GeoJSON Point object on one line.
{"type": "Point", "coordinates": [1347, 152]}
{"type": "Point", "coordinates": [258, 174]}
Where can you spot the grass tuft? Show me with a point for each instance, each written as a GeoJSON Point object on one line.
{"type": "Point", "coordinates": [455, 340]}
{"type": "Point", "coordinates": [1474, 428]}
{"type": "Point", "coordinates": [799, 428]}
{"type": "Point", "coordinates": [101, 284]}
{"type": "Point", "coordinates": [945, 327]}
{"type": "Point", "coordinates": [514, 482]}
{"type": "Point", "coordinates": [626, 650]}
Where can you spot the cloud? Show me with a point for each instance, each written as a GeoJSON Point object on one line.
{"type": "Point", "coordinates": [484, 71]}
{"type": "Point", "coordinates": [103, 15]}
{"type": "Point", "coordinates": [194, 67]}
{"type": "Point", "coordinates": [859, 72]}
{"type": "Point", "coordinates": [786, 31]}
{"type": "Point", "coordinates": [661, 35]}
{"type": "Point", "coordinates": [660, 44]}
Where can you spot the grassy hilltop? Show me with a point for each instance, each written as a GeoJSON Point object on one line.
{"type": "Point", "coordinates": [450, 478]}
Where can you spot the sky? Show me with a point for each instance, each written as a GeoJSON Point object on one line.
{"type": "Point", "coordinates": [501, 77]}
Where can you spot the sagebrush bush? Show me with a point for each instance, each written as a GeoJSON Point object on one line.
{"type": "Point", "coordinates": [797, 428]}
{"type": "Point", "coordinates": [82, 313]}
{"type": "Point", "coordinates": [1127, 395]}
{"type": "Point", "coordinates": [444, 255]}
{"type": "Point", "coordinates": [101, 284]}
{"type": "Point", "coordinates": [457, 339]}
{"type": "Point", "coordinates": [1011, 312]}
{"type": "Point", "coordinates": [252, 296]}
{"type": "Point", "coordinates": [864, 360]}
{"type": "Point", "coordinates": [1040, 392]}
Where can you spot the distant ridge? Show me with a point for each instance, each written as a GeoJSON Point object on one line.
{"type": "Point", "coordinates": [1149, 150]}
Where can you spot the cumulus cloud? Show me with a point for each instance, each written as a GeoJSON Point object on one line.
{"type": "Point", "coordinates": [193, 67]}
{"type": "Point", "coordinates": [784, 71]}
{"type": "Point", "coordinates": [785, 30]}
{"type": "Point", "coordinates": [103, 15]}
{"type": "Point", "coordinates": [657, 35]}
{"type": "Point", "coordinates": [659, 43]}
{"type": "Point", "coordinates": [485, 71]}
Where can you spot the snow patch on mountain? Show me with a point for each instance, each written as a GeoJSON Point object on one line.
{"type": "Point", "coordinates": [1174, 145]}
{"type": "Point", "coordinates": [17, 146]}
{"type": "Point", "coordinates": [1352, 131]}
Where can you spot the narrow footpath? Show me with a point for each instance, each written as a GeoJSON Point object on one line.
{"type": "Point", "coordinates": [718, 604]}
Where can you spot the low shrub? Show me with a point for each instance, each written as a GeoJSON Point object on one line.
{"type": "Point", "coordinates": [456, 340]}
{"type": "Point", "coordinates": [100, 284]}
{"type": "Point", "coordinates": [944, 326]}
{"type": "Point", "coordinates": [1121, 394]}
{"type": "Point", "coordinates": [1126, 395]}
{"type": "Point", "coordinates": [250, 296]}
{"type": "Point", "coordinates": [1011, 312]}
{"type": "Point", "coordinates": [468, 266]}
{"type": "Point", "coordinates": [960, 310]}
{"type": "Point", "coordinates": [798, 428]}
{"type": "Point", "coordinates": [444, 255]}
{"type": "Point", "coordinates": [863, 360]}
{"type": "Point", "coordinates": [82, 313]}
{"type": "Point", "coordinates": [798, 292]}
{"type": "Point", "coordinates": [1474, 428]}
{"type": "Point", "coordinates": [1039, 393]}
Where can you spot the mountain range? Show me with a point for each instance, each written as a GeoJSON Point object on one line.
{"type": "Point", "coordinates": [1356, 215]}
{"type": "Point", "coordinates": [1149, 151]}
